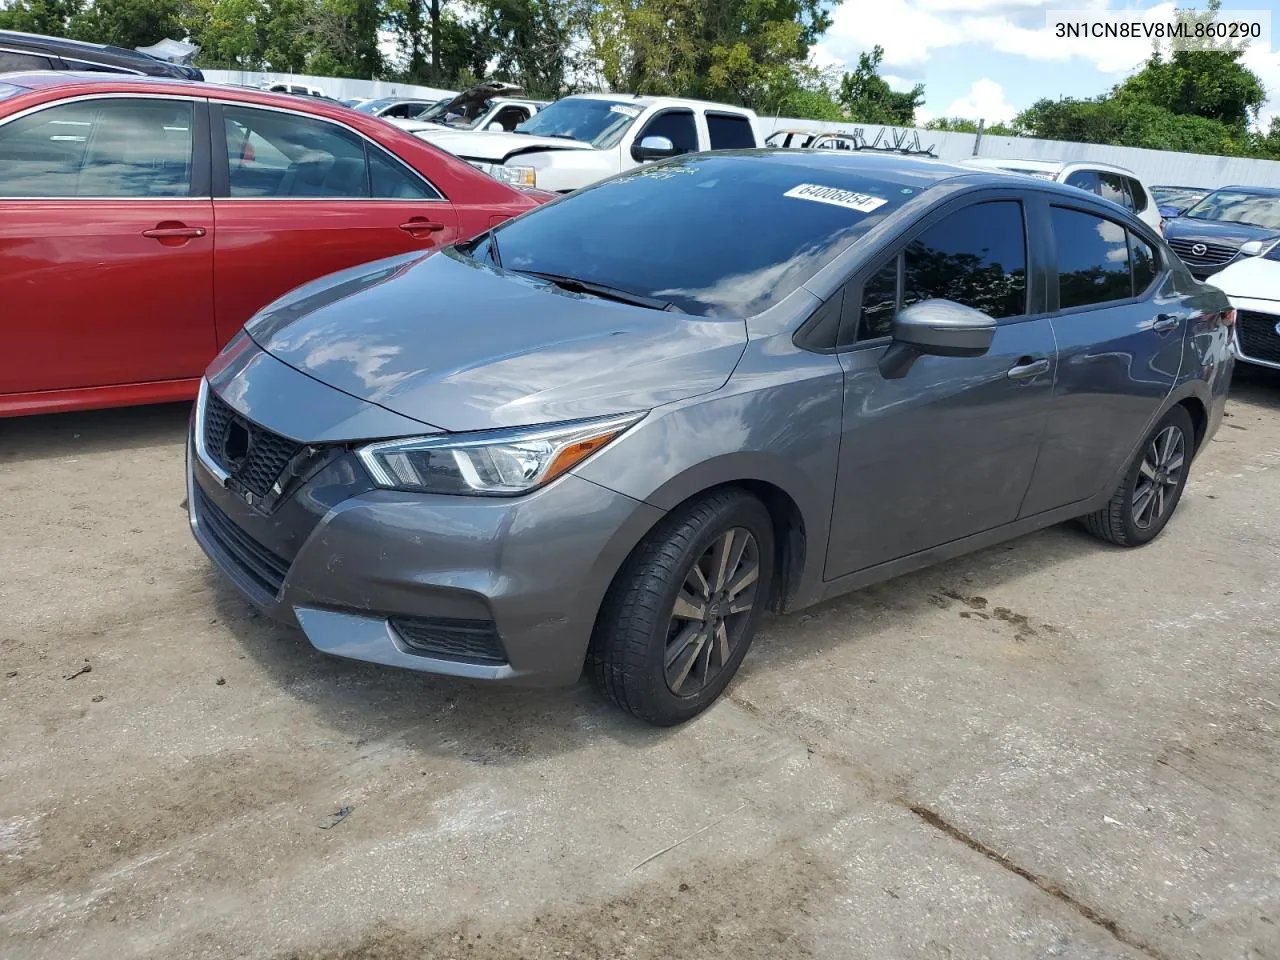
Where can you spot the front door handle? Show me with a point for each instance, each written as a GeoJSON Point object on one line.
{"type": "Point", "coordinates": [173, 230]}
{"type": "Point", "coordinates": [1165, 322]}
{"type": "Point", "coordinates": [421, 225]}
{"type": "Point", "coordinates": [1027, 367]}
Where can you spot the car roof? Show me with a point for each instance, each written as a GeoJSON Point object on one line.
{"type": "Point", "coordinates": [1047, 166]}
{"type": "Point", "coordinates": [641, 100]}
{"type": "Point", "coordinates": [1259, 191]}
{"type": "Point", "coordinates": [88, 83]}
{"type": "Point", "coordinates": [73, 49]}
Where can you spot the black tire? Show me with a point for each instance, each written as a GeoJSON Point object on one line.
{"type": "Point", "coordinates": [639, 629]}
{"type": "Point", "coordinates": [1120, 521]}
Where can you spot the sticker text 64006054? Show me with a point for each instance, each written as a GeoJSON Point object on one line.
{"type": "Point", "coordinates": [862, 202]}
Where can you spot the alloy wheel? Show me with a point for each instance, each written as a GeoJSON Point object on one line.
{"type": "Point", "coordinates": [711, 611]}
{"type": "Point", "coordinates": [1158, 477]}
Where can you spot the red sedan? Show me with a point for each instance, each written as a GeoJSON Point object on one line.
{"type": "Point", "coordinates": [143, 221]}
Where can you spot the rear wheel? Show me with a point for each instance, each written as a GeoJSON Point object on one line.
{"type": "Point", "coordinates": [1152, 486]}
{"type": "Point", "coordinates": [682, 611]}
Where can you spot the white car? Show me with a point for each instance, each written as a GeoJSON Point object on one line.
{"type": "Point", "coordinates": [1253, 286]}
{"type": "Point", "coordinates": [491, 105]}
{"type": "Point", "coordinates": [579, 140]}
{"type": "Point", "coordinates": [1106, 180]}
{"type": "Point", "coordinates": [299, 89]}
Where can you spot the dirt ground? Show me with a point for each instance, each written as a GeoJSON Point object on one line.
{"type": "Point", "coordinates": [1048, 749]}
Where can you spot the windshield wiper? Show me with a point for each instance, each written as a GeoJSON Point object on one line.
{"type": "Point", "coordinates": [574, 285]}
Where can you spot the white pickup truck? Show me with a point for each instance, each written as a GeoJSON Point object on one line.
{"type": "Point", "coordinates": [579, 140]}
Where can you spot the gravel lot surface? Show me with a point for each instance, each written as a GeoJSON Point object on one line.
{"type": "Point", "coordinates": [1051, 748]}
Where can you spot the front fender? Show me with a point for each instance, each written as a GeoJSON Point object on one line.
{"type": "Point", "coordinates": [775, 425]}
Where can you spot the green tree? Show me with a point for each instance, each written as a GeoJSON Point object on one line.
{"type": "Point", "coordinates": [964, 125]}
{"type": "Point", "coordinates": [867, 98]}
{"type": "Point", "coordinates": [128, 23]}
{"type": "Point", "coordinates": [732, 50]}
{"type": "Point", "coordinates": [40, 16]}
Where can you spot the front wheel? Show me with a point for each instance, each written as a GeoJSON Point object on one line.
{"type": "Point", "coordinates": [682, 611]}
{"type": "Point", "coordinates": [1152, 486]}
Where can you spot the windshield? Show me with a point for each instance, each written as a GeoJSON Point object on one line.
{"type": "Point", "coordinates": [1239, 206]}
{"type": "Point", "coordinates": [600, 123]}
{"type": "Point", "coordinates": [662, 231]}
{"type": "Point", "coordinates": [1176, 196]}
{"type": "Point", "coordinates": [373, 106]}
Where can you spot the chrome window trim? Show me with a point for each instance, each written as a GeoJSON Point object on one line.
{"type": "Point", "coordinates": [439, 198]}
{"type": "Point", "coordinates": [114, 67]}
{"type": "Point", "coordinates": [118, 95]}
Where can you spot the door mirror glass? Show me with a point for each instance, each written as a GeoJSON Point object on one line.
{"type": "Point", "coordinates": [653, 148]}
{"type": "Point", "coordinates": [939, 328]}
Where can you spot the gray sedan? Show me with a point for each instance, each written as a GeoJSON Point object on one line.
{"type": "Point", "coordinates": [615, 430]}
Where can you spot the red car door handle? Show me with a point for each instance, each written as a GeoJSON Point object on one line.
{"type": "Point", "coordinates": [177, 232]}
{"type": "Point", "coordinates": [418, 225]}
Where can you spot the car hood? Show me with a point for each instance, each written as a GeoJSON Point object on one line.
{"type": "Point", "coordinates": [1255, 278]}
{"type": "Point", "coordinates": [493, 146]}
{"type": "Point", "coordinates": [461, 346]}
{"type": "Point", "coordinates": [1216, 231]}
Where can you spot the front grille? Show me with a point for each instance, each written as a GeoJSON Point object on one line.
{"type": "Point", "coordinates": [259, 570]}
{"type": "Point", "coordinates": [255, 457]}
{"type": "Point", "coordinates": [1257, 337]}
{"type": "Point", "coordinates": [451, 639]}
{"type": "Point", "coordinates": [1214, 253]}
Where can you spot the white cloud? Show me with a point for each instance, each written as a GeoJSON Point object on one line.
{"type": "Point", "coordinates": [911, 31]}
{"type": "Point", "coordinates": [984, 101]}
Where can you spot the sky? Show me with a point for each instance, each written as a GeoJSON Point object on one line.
{"type": "Point", "coordinates": [990, 59]}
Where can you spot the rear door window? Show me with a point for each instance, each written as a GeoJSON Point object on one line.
{"type": "Point", "coordinates": [1111, 186]}
{"type": "Point", "coordinates": [1084, 180]}
{"type": "Point", "coordinates": [99, 148]}
{"type": "Point", "coordinates": [13, 61]}
{"type": "Point", "coordinates": [1093, 259]}
{"type": "Point", "coordinates": [730, 131]}
{"type": "Point", "coordinates": [677, 126]}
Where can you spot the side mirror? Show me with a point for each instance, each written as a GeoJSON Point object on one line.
{"type": "Point", "coordinates": [496, 126]}
{"type": "Point", "coordinates": [1252, 248]}
{"type": "Point", "coordinates": [939, 328]}
{"type": "Point", "coordinates": [653, 148]}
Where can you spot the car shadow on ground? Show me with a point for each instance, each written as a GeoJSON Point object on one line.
{"type": "Point", "coordinates": [1257, 385]}
{"type": "Point", "coordinates": [53, 435]}
{"type": "Point", "coordinates": [495, 724]}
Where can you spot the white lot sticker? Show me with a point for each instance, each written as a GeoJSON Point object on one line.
{"type": "Point", "coordinates": [862, 202]}
{"type": "Point", "coordinates": [625, 111]}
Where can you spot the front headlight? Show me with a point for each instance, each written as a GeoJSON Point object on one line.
{"type": "Point", "coordinates": [495, 463]}
{"type": "Point", "coordinates": [516, 176]}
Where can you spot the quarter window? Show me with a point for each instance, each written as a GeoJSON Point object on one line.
{"type": "Point", "coordinates": [730, 131]}
{"type": "Point", "coordinates": [1093, 259]}
{"type": "Point", "coordinates": [879, 302]}
{"type": "Point", "coordinates": [99, 148]}
{"type": "Point", "coordinates": [1138, 193]}
{"type": "Point", "coordinates": [976, 256]}
{"type": "Point", "coordinates": [677, 126]}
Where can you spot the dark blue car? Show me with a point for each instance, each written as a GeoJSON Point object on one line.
{"type": "Point", "coordinates": [1228, 224]}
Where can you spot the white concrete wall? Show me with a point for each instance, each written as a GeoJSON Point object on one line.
{"type": "Point", "coordinates": [338, 88]}
{"type": "Point", "coordinates": [1151, 166]}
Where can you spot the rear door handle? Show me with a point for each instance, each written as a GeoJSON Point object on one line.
{"type": "Point", "coordinates": [418, 225]}
{"type": "Point", "coordinates": [1026, 368]}
{"type": "Point", "coordinates": [1165, 322]}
